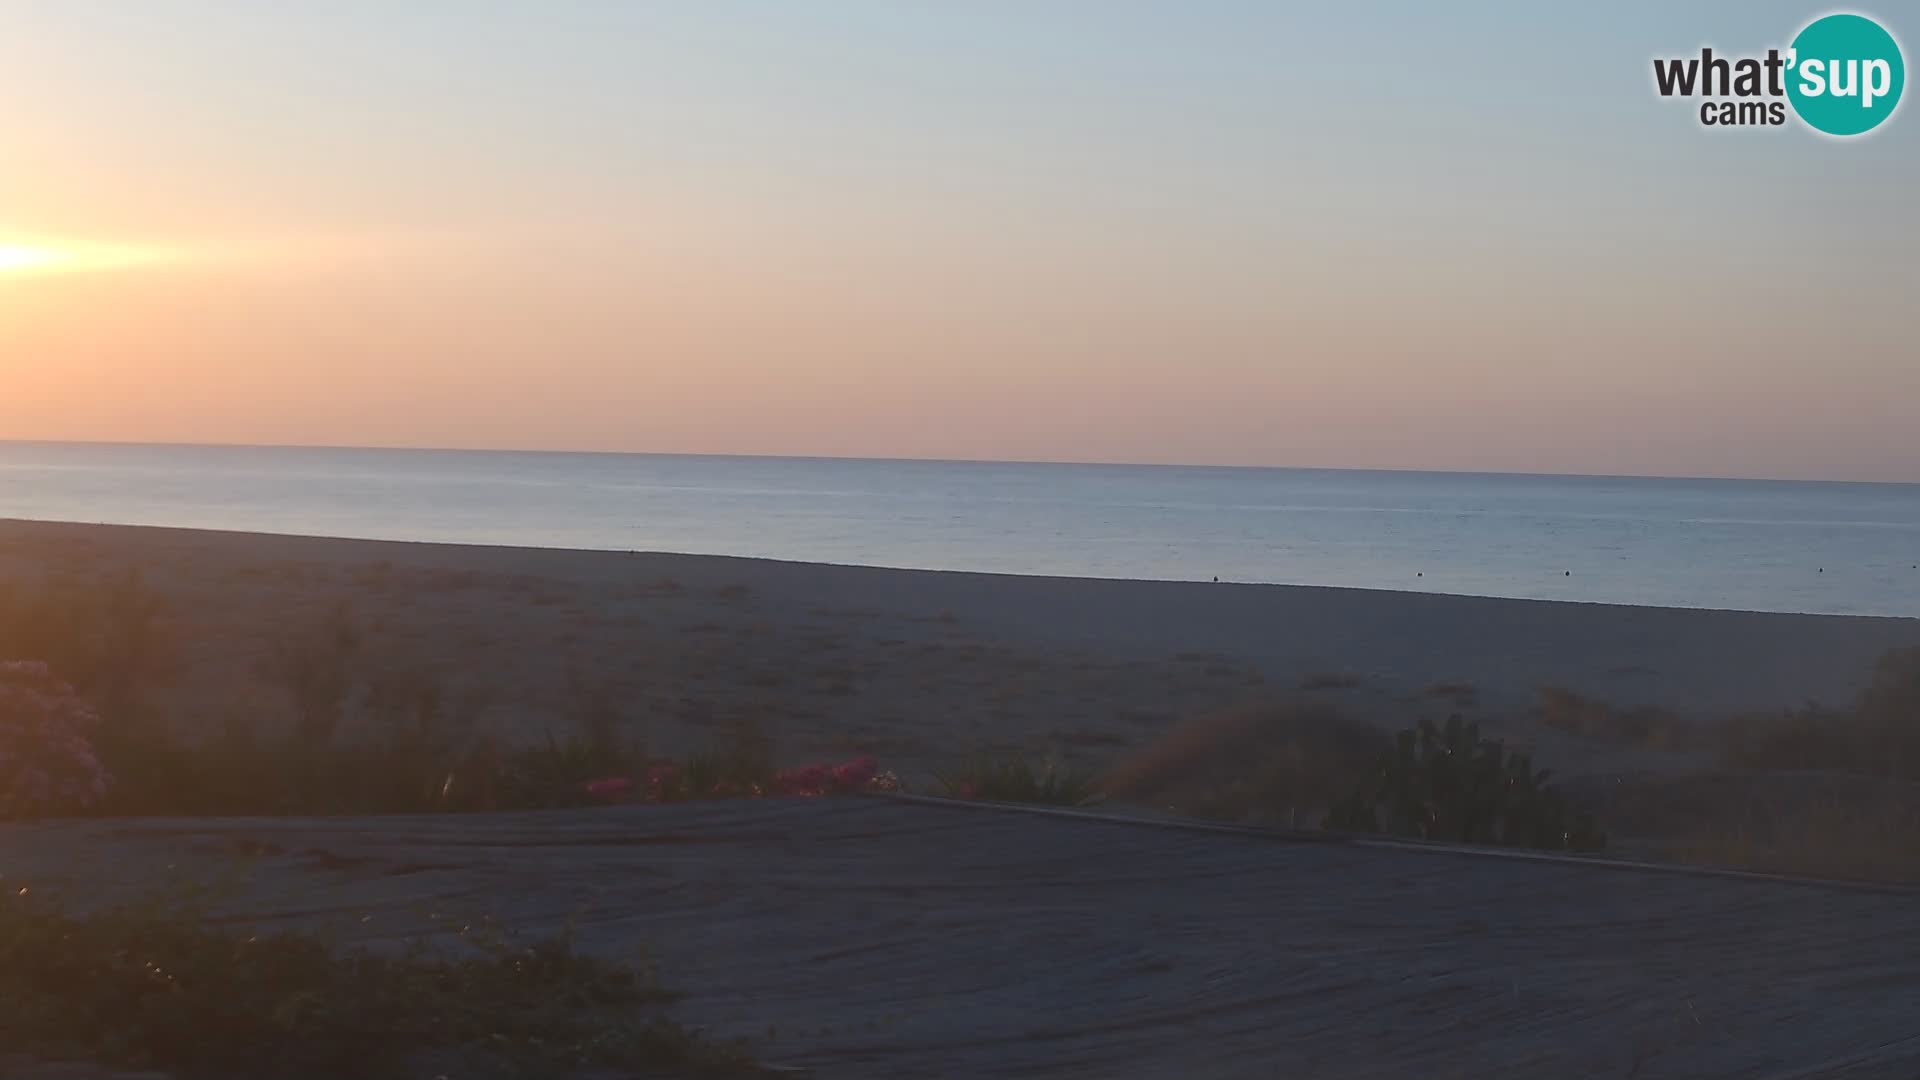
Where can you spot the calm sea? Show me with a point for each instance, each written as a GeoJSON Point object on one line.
{"type": "Point", "coordinates": [1757, 545]}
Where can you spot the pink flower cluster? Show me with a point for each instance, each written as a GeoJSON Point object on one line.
{"type": "Point", "coordinates": [610, 788]}
{"type": "Point", "coordinates": [817, 780]}
{"type": "Point", "coordinates": [667, 783]}
{"type": "Point", "coordinates": [47, 763]}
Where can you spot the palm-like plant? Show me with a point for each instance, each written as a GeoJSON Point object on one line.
{"type": "Point", "coordinates": [1447, 782]}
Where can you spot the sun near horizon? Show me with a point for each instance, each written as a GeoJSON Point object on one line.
{"type": "Point", "coordinates": [77, 256]}
{"type": "Point", "coordinates": [25, 258]}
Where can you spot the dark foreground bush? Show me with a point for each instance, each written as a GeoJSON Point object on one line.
{"type": "Point", "coordinates": [1448, 783]}
{"type": "Point", "coordinates": [152, 988]}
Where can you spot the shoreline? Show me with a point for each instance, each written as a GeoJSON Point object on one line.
{"type": "Point", "coordinates": [771, 560]}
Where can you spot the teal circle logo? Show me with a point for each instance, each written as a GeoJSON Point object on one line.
{"type": "Point", "coordinates": [1845, 74]}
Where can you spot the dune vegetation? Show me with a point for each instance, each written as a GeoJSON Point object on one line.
{"type": "Point", "coordinates": [1818, 789]}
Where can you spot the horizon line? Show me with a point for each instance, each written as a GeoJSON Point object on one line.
{"type": "Point", "coordinates": [941, 460]}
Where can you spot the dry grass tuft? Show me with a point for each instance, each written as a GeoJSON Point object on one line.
{"type": "Point", "coordinates": [1878, 736]}
{"type": "Point", "coordinates": [1282, 763]}
{"type": "Point", "coordinates": [1873, 841]}
{"type": "Point", "coordinates": [1639, 725]}
{"type": "Point", "coordinates": [1461, 694]}
{"type": "Point", "coordinates": [1811, 823]}
{"type": "Point", "coordinates": [109, 635]}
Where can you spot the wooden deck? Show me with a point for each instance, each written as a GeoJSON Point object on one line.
{"type": "Point", "coordinates": [882, 938]}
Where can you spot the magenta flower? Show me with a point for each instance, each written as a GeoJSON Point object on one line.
{"type": "Point", "coordinates": [610, 787]}
{"type": "Point", "coordinates": [665, 782]}
{"type": "Point", "coordinates": [855, 775]}
{"type": "Point", "coordinates": [808, 782]}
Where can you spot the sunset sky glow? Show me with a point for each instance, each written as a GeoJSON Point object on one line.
{"type": "Point", "coordinates": [1389, 235]}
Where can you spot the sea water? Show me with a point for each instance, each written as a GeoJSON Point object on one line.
{"type": "Point", "coordinates": [1743, 544]}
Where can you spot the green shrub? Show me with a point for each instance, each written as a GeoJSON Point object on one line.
{"type": "Point", "coordinates": [1016, 779]}
{"type": "Point", "coordinates": [740, 763]}
{"type": "Point", "coordinates": [1448, 783]}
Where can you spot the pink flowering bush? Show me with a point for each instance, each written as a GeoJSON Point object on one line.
{"type": "Point", "coordinates": [611, 787]}
{"type": "Point", "coordinates": [817, 780]}
{"type": "Point", "coordinates": [47, 761]}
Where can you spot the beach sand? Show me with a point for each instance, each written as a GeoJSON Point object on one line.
{"type": "Point", "coordinates": [919, 668]}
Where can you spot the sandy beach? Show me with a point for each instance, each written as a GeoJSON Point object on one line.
{"type": "Point", "coordinates": [915, 667]}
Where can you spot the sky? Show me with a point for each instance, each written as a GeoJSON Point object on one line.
{"type": "Point", "coordinates": [1378, 235]}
